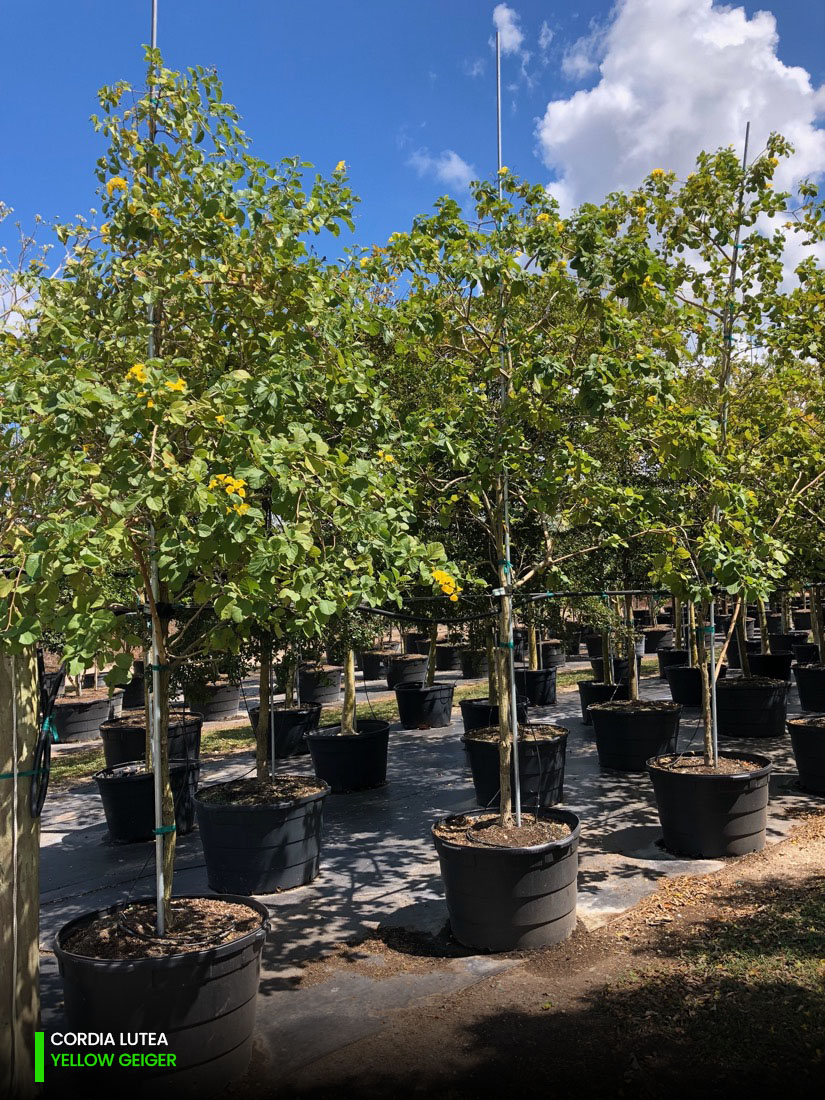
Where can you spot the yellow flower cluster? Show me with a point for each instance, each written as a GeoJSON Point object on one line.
{"type": "Point", "coordinates": [138, 372]}
{"type": "Point", "coordinates": [116, 183]}
{"type": "Point", "coordinates": [657, 173]}
{"type": "Point", "coordinates": [386, 456]}
{"type": "Point", "coordinates": [542, 217]}
{"type": "Point", "coordinates": [229, 484]}
{"type": "Point", "coordinates": [341, 166]}
{"type": "Point", "coordinates": [648, 282]}
{"type": "Point", "coordinates": [177, 386]}
{"type": "Point", "coordinates": [448, 584]}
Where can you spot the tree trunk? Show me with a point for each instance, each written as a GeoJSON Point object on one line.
{"type": "Point", "coordinates": [785, 608]}
{"type": "Point", "coordinates": [632, 666]}
{"type": "Point", "coordinates": [740, 640]}
{"type": "Point", "coordinates": [764, 644]}
{"type": "Point", "coordinates": [707, 715]}
{"type": "Point", "coordinates": [693, 656]}
{"type": "Point", "coordinates": [492, 669]}
{"type": "Point", "coordinates": [533, 647]}
{"type": "Point", "coordinates": [19, 878]}
{"type": "Point", "coordinates": [720, 660]}
{"type": "Point", "coordinates": [816, 620]}
{"type": "Point", "coordinates": [348, 710]}
{"type": "Point", "coordinates": [262, 734]}
{"type": "Point", "coordinates": [607, 658]}
{"type": "Point", "coordinates": [505, 745]}
{"type": "Point", "coordinates": [431, 654]}
{"type": "Point", "coordinates": [147, 704]}
{"type": "Point", "coordinates": [677, 622]}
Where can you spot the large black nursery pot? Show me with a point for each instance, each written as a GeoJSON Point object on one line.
{"type": "Point", "coordinates": [802, 620]}
{"type": "Point", "coordinates": [424, 706]}
{"type": "Point", "coordinates": [351, 762]}
{"type": "Point", "coordinates": [773, 621]}
{"type": "Point", "coordinates": [734, 660]}
{"type": "Point", "coordinates": [220, 704]}
{"type": "Point", "coordinates": [667, 657]}
{"type": "Point", "coordinates": [593, 642]}
{"type": "Point", "coordinates": [134, 694]}
{"type": "Point", "coordinates": [448, 657]}
{"type": "Point", "coordinates": [374, 663]}
{"type": "Point", "coordinates": [784, 643]}
{"type": "Point", "coordinates": [258, 849]}
{"type": "Point", "coordinates": [541, 756]}
{"type": "Point", "coordinates": [641, 616]}
{"type": "Point", "coordinates": [124, 740]}
{"type": "Point", "coordinates": [127, 792]}
{"type": "Point", "coordinates": [480, 713]}
{"type": "Point", "coordinates": [474, 664]}
{"type": "Point", "coordinates": [629, 733]}
{"type": "Point", "coordinates": [416, 642]}
{"type": "Point", "coordinates": [810, 680]}
{"type": "Point", "coordinates": [203, 1001]}
{"type": "Point", "coordinates": [538, 686]}
{"type": "Point", "coordinates": [572, 643]}
{"type": "Point", "coordinates": [621, 668]}
{"type": "Point", "coordinates": [774, 666]}
{"type": "Point", "coordinates": [594, 691]}
{"type": "Point", "coordinates": [751, 708]}
{"type": "Point", "coordinates": [406, 669]}
{"type": "Point", "coordinates": [551, 653]}
{"type": "Point", "coordinates": [808, 742]}
{"type": "Point", "coordinates": [685, 684]}
{"type": "Point", "coordinates": [319, 683]}
{"type": "Point", "coordinates": [289, 726]}
{"type": "Point", "coordinates": [806, 654]}
{"type": "Point", "coordinates": [712, 815]}
{"type": "Point", "coordinates": [510, 899]}
{"type": "Point", "coordinates": [656, 636]}
{"type": "Point", "coordinates": [77, 718]}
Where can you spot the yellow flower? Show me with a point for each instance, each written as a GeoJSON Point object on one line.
{"type": "Point", "coordinates": [220, 419]}
{"type": "Point", "coordinates": [225, 220]}
{"type": "Point", "coordinates": [150, 404]}
{"type": "Point", "coordinates": [155, 212]}
{"type": "Point", "coordinates": [116, 183]}
{"type": "Point", "coordinates": [542, 217]}
{"type": "Point", "coordinates": [363, 261]}
{"type": "Point", "coordinates": [641, 211]}
{"type": "Point", "coordinates": [657, 173]}
{"type": "Point", "coordinates": [768, 186]}
{"type": "Point", "coordinates": [774, 161]}
{"type": "Point", "coordinates": [503, 170]}
{"type": "Point", "coordinates": [104, 230]}
{"type": "Point", "coordinates": [241, 509]}
{"type": "Point", "coordinates": [178, 386]}
{"type": "Point", "coordinates": [648, 281]}
{"type": "Point", "coordinates": [453, 599]}
{"type": "Point", "coordinates": [341, 166]}
{"type": "Point", "coordinates": [138, 372]}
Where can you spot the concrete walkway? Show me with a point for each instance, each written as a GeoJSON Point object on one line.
{"type": "Point", "coordinates": [379, 870]}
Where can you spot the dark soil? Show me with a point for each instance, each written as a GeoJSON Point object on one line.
{"type": "Point", "coordinates": [815, 722]}
{"type": "Point", "coordinates": [533, 731]}
{"type": "Point", "coordinates": [744, 682]}
{"type": "Point", "coordinates": [819, 668]}
{"type": "Point", "coordinates": [129, 933]}
{"type": "Point", "coordinates": [635, 706]}
{"type": "Point", "coordinates": [261, 792]}
{"type": "Point", "coordinates": [136, 719]}
{"type": "Point", "coordinates": [409, 657]}
{"type": "Point", "coordinates": [90, 695]}
{"type": "Point", "coordinates": [485, 831]}
{"type": "Point", "coordinates": [695, 765]}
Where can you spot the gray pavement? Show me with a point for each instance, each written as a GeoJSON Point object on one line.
{"type": "Point", "coordinates": [379, 870]}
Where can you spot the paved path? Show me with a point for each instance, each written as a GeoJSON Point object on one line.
{"type": "Point", "coordinates": [379, 869]}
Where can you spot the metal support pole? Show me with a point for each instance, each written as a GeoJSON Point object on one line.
{"type": "Point", "coordinates": [714, 728]}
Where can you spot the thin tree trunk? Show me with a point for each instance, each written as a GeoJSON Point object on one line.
{"type": "Point", "coordinates": [677, 622]}
{"type": "Point", "coordinates": [262, 733]}
{"type": "Point", "coordinates": [702, 656]}
{"type": "Point", "coordinates": [816, 620]}
{"type": "Point", "coordinates": [764, 644]}
{"type": "Point", "coordinates": [147, 703]}
{"type": "Point", "coordinates": [741, 641]}
{"type": "Point", "coordinates": [785, 608]}
{"type": "Point", "coordinates": [607, 658]}
{"type": "Point", "coordinates": [348, 710]}
{"type": "Point", "coordinates": [533, 645]}
{"type": "Point", "coordinates": [693, 656]}
{"type": "Point", "coordinates": [632, 666]}
{"type": "Point", "coordinates": [505, 744]}
{"type": "Point", "coordinates": [431, 653]}
{"type": "Point", "coordinates": [729, 636]}
{"type": "Point", "coordinates": [290, 668]}
{"type": "Point", "coordinates": [492, 669]}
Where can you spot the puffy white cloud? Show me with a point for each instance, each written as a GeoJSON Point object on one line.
{"type": "Point", "coordinates": [448, 168]}
{"type": "Point", "coordinates": [475, 68]}
{"type": "Point", "coordinates": [676, 77]}
{"type": "Point", "coordinates": [505, 20]}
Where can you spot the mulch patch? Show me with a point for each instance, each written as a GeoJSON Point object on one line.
{"type": "Point", "coordinates": [261, 792]}
{"type": "Point", "coordinates": [485, 831]}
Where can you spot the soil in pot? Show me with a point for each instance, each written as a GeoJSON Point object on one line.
{"type": "Point", "coordinates": [655, 636]}
{"type": "Point", "coordinates": [594, 691]}
{"type": "Point", "coordinates": [409, 668]}
{"type": "Point", "coordinates": [351, 762]}
{"type": "Point", "coordinates": [808, 742]}
{"type": "Point", "coordinates": [287, 728]}
{"type": "Point", "coordinates": [628, 733]}
{"type": "Point", "coordinates": [751, 708]}
{"type": "Point", "coordinates": [424, 706]}
{"type": "Point", "coordinates": [509, 890]}
{"type": "Point", "coordinates": [538, 686]}
{"type": "Point", "coordinates": [220, 701]}
{"type": "Point", "coordinates": [541, 756]}
{"type": "Point", "coordinates": [707, 812]}
{"type": "Point", "coordinates": [319, 683]}
{"type": "Point", "coordinates": [79, 717]}
{"type": "Point", "coordinates": [124, 738]}
{"type": "Point", "coordinates": [773, 666]}
{"type": "Point", "coordinates": [198, 984]}
{"type": "Point", "coordinates": [667, 657]}
{"type": "Point", "coordinates": [478, 713]}
{"type": "Point", "coordinates": [127, 792]}
{"type": "Point", "coordinates": [261, 835]}
{"type": "Point", "coordinates": [810, 680]}
{"type": "Point", "coordinates": [448, 658]}
{"type": "Point", "coordinates": [685, 684]}
{"type": "Point", "coordinates": [474, 664]}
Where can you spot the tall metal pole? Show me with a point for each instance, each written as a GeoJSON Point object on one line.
{"type": "Point", "coordinates": [507, 579]}
{"type": "Point", "coordinates": [157, 774]}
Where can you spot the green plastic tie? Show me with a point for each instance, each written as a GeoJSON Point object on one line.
{"type": "Point", "coordinates": [164, 830]}
{"type": "Point", "coordinates": [159, 668]}
{"type": "Point", "coordinates": [508, 565]}
{"type": "Point", "coordinates": [506, 645]}
{"type": "Point", "coordinates": [24, 775]}
{"type": "Point", "coordinates": [49, 727]}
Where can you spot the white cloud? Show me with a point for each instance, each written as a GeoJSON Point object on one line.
{"type": "Point", "coordinates": [676, 77]}
{"type": "Point", "coordinates": [582, 57]}
{"type": "Point", "coordinates": [474, 68]}
{"type": "Point", "coordinates": [545, 36]}
{"type": "Point", "coordinates": [448, 168]}
{"type": "Point", "coordinates": [506, 23]}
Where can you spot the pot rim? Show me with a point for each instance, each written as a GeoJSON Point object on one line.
{"type": "Point", "coordinates": [291, 803]}
{"type": "Point", "coordinates": [110, 775]}
{"type": "Point", "coordinates": [665, 706]}
{"type": "Point", "coordinates": [764, 769]}
{"type": "Point", "coordinates": [803, 721]}
{"type": "Point", "coordinates": [323, 733]}
{"type": "Point", "coordinates": [565, 816]}
{"type": "Point", "coordinates": [414, 685]}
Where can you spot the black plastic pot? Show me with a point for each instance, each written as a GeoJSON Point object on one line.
{"type": "Point", "coordinates": [750, 628]}
{"type": "Point", "coordinates": [354, 762]}
{"type": "Point", "coordinates": [668, 657]}
{"type": "Point", "coordinates": [289, 727]}
{"type": "Point", "coordinates": [775, 666]}
{"type": "Point", "coordinates": [474, 664]}
{"type": "Point", "coordinates": [626, 736]}
{"type": "Point", "coordinates": [203, 1001]}
{"type": "Point", "coordinates": [734, 660]}
{"type": "Point", "coordinates": [423, 706]}
{"type": "Point", "coordinates": [685, 684]}
{"type": "Point", "coordinates": [374, 663]}
{"type": "Point", "coordinates": [641, 616]}
{"type": "Point", "coordinates": [808, 742]}
{"type": "Point", "coordinates": [594, 645]}
{"type": "Point", "coordinates": [261, 849]}
{"type": "Point", "coordinates": [407, 669]}
{"type": "Point", "coordinates": [810, 680]}
{"type": "Point", "coordinates": [708, 816]}
{"type": "Point", "coordinates": [221, 702]}
{"type": "Point", "coordinates": [538, 686]}
{"type": "Point", "coordinates": [621, 668]}
{"type": "Point", "coordinates": [123, 744]}
{"type": "Point", "coordinates": [551, 653]}
{"type": "Point", "coordinates": [572, 643]}
{"type": "Point", "coordinates": [802, 620]}
{"type": "Point", "coordinates": [508, 899]}
{"type": "Point", "coordinates": [751, 708]}
{"type": "Point", "coordinates": [784, 643]}
{"type": "Point", "coordinates": [540, 767]}
{"type": "Point", "coordinates": [416, 643]}
{"type": "Point", "coordinates": [480, 713]}
{"type": "Point", "coordinates": [773, 621]}
{"type": "Point", "coordinates": [806, 654]}
{"type": "Point", "coordinates": [448, 658]}
{"type": "Point", "coordinates": [76, 719]}
{"type": "Point", "coordinates": [319, 685]}
{"type": "Point", "coordinates": [593, 691]}
{"type": "Point", "coordinates": [128, 797]}
{"type": "Point", "coordinates": [134, 694]}
{"type": "Point", "coordinates": [656, 636]}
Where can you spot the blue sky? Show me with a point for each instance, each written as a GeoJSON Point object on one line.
{"type": "Point", "coordinates": [404, 90]}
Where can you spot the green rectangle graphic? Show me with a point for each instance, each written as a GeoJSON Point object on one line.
{"type": "Point", "coordinates": [38, 1057]}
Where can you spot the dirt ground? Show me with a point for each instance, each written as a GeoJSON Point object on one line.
{"type": "Point", "coordinates": [713, 983]}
